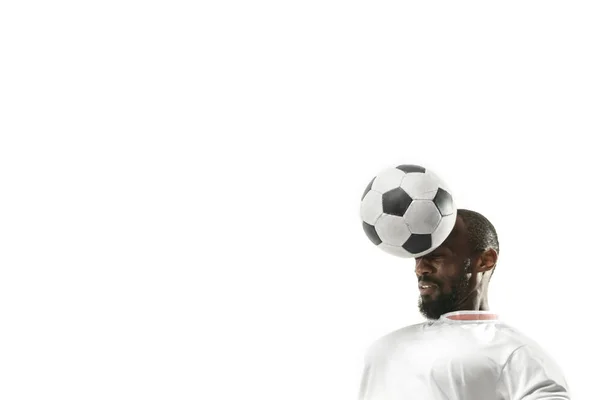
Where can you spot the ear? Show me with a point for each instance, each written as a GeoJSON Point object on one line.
{"type": "Point", "coordinates": [489, 258]}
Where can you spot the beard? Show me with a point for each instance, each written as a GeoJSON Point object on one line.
{"type": "Point", "coordinates": [445, 303]}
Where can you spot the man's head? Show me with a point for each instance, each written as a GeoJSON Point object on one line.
{"type": "Point", "coordinates": [456, 274]}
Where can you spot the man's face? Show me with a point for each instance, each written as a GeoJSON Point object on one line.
{"type": "Point", "coordinates": [443, 275]}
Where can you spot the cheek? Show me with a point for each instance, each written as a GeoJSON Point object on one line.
{"type": "Point", "coordinates": [452, 284]}
{"type": "Point", "coordinates": [448, 288]}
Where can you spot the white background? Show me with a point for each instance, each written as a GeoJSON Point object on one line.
{"type": "Point", "coordinates": [180, 185]}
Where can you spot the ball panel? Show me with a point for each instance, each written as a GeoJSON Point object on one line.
{"type": "Point", "coordinates": [422, 217]}
{"type": "Point", "coordinates": [417, 243]}
{"type": "Point", "coordinates": [367, 189]}
{"type": "Point", "coordinates": [421, 186]}
{"type": "Point", "coordinates": [371, 233]}
{"type": "Point", "coordinates": [408, 168]}
{"type": "Point", "coordinates": [443, 230]}
{"type": "Point", "coordinates": [395, 250]}
{"type": "Point", "coordinates": [371, 207]}
{"type": "Point", "coordinates": [392, 230]}
{"type": "Point", "coordinates": [388, 179]}
{"type": "Point", "coordinates": [444, 202]}
{"type": "Point", "coordinates": [396, 202]}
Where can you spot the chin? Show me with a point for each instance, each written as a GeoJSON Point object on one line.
{"type": "Point", "coordinates": [428, 298]}
{"type": "Point", "coordinates": [434, 307]}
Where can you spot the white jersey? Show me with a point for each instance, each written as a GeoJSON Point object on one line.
{"type": "Point", "coordinates": [460, 357]}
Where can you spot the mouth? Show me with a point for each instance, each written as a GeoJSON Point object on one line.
{"type": "Point", "coordinates": [427, 288]}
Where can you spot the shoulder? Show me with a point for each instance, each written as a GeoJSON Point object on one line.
{"type": "Point", "coordinates": [385, 343]}
{"type": "Point", "coordinates": [529, 368]}
{"type": "Point", "coordinates": [518, 339]}
{"type": "Point", "coordinates": [528, 354]}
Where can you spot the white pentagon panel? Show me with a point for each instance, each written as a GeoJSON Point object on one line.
{"type": "Point", "coordinates": [395, 250]}
{"type": "Point", "coordinates": [371, 207]}
{"type": "Point", "coordinates": [392, 230]}
{"type": "Point", "coordinates": [388, 179]}
{"type": "Point", "coordinates": [421, 254]}
{"type": "Point", "coordinates": [443, 230]}
{"type": "Point", "coordinates": [421, 186]}
{"type": "Point", "coordinates": [440, 181]}
{"type": "Point", "coordinates": [422, 216]}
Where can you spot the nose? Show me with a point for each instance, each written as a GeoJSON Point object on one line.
{"type": "Point", "coordinates": [422, 267]}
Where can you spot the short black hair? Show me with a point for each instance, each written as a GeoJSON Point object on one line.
{"type": "Point", "coordinates": [481, 233]}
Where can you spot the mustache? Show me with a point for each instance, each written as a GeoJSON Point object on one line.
{"type": "Point", "coordinates": [427, 280]}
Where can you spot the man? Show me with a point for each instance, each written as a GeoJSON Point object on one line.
{"type": "Point", "coordinates": [463, 351]}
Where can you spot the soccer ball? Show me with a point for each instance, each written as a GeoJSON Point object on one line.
{"type": "Point", "coordinates": [407, 211]}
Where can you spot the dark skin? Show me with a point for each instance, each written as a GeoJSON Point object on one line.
{"type": "Point", "coordinates": [461, 275]}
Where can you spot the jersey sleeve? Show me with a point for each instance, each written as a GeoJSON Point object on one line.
{"type": "Point", "coordinates": [364, 383]}
{"type": "Point", "coordinates": [371, 383]}
{"type": "Point", "coordinates": [530, 374]}
{"type": "Point", "coordinates": [367, 374]}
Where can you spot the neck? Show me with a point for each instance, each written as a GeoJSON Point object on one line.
{"type": "Point", "coordinates": [475, 302]}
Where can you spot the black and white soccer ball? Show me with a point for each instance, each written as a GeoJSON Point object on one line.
{"type": "Point", "coordinates": [407, 211]}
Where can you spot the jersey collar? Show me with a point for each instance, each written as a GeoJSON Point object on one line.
{"type": "Point", "coordinates": [470, 315]}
